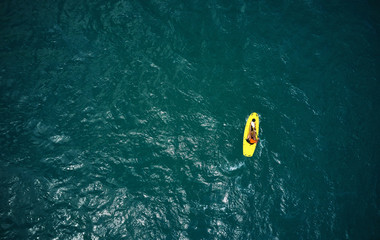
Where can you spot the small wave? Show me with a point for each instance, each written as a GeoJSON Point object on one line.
{"type": "Point", "coordinates": [235, 167]}
{"type": "Point", "coordinates": [59, 139]}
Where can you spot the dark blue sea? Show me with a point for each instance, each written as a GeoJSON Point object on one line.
{"type": "Point", "coordinates": [124, 119]}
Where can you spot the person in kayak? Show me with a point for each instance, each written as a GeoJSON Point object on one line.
{"type": "Point", "coordinates": [251, 138]}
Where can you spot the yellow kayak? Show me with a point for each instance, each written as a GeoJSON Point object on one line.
{"type": "Point", "coordinates": [249, 149]}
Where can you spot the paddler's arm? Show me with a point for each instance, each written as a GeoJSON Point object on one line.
{"type": "Point", "coordinates": [249, 132]}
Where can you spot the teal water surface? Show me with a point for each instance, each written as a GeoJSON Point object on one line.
{"type": "Point", "coordinates": [124, 119]}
